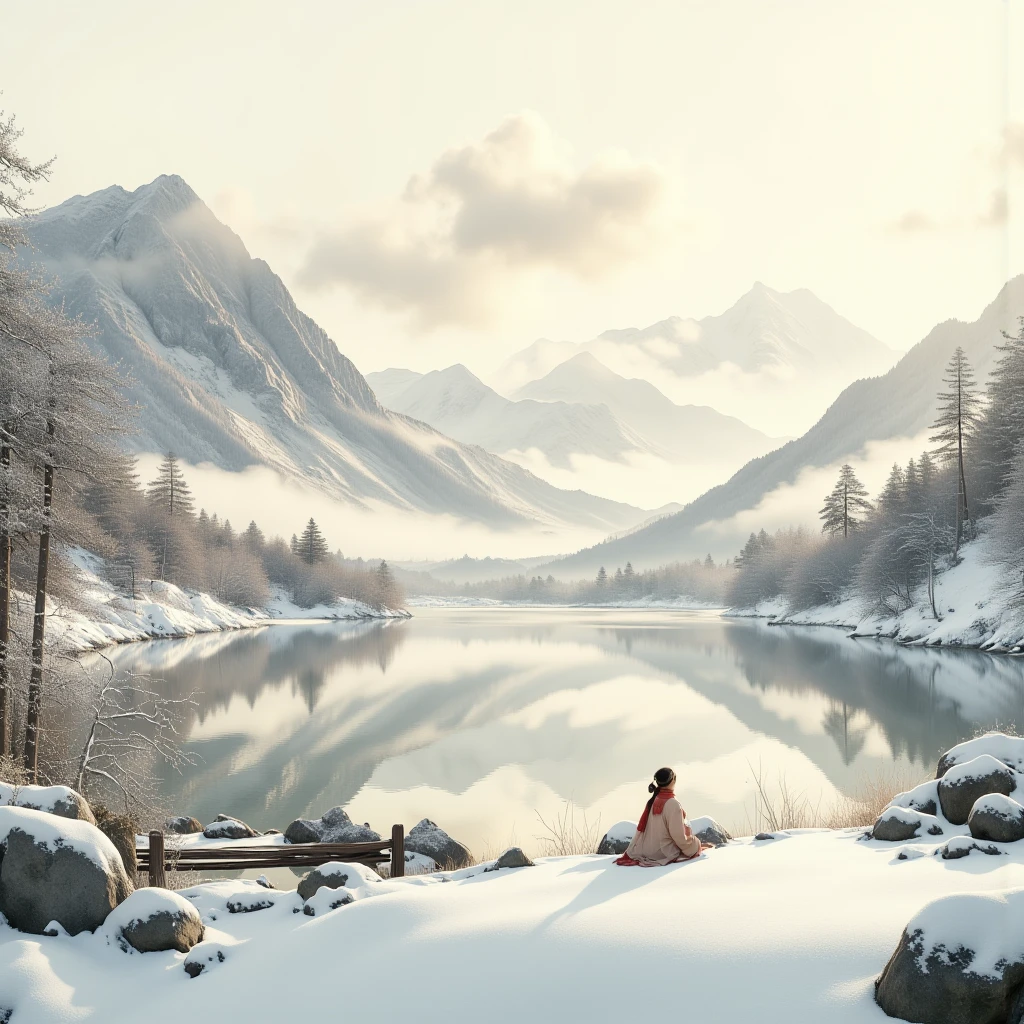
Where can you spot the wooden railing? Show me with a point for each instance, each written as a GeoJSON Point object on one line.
{"type": "Point", "coordinates": [157, 860]}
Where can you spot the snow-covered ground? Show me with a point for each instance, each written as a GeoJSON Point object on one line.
{"type": "Point", "coordinates": [165, 610]}
{"type": "Point", "coordinates": [975, 610]}
{"type": "Point", "coordinates": [791, 929]}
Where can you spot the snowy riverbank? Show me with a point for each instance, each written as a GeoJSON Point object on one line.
{"type": "Point", "coordinates": [975, 610]}
{"type": "Point", "coordinates": [790, 929]}
{"type": "Point", "coordinates": [165, 611]}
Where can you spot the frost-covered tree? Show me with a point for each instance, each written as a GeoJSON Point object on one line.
{"type": "Point", "coordinates": [172, 527]}
{"type": "Point", "coordinates": [846, 507]}
{"type": "Point", "coordinates": [1001, 432]}
{"type": "Point", "coordinates": [311, 546]}
{"type": "Point", "coordinates": [1008, 528]}
{"type": "Point", "coordinates": [955, 425]}
{"type": "Point", "coordinates": [602, 578]}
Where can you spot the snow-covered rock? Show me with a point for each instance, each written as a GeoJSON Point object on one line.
{"type": "Point", "coordinates": [707, 830]}
{"type": "Point", "coordinates": [997, 817]}
{"type": "Point", "coordinates": [897, 824]}
{"type": "Point", "coordinates": [182, 825]}
{"type": "Point", "coordinates": [57, 869]}
{"type": "Point", "coordinates": [432, 841]}
{"type": "Point", "coordinates": [617, 838]}
{"type": "Point", "coordinates": [60, 800]}
{"type": "Point", "coordinates": [334, 875]}
{"type": "Point", "coordinates": [226, 827]}
{"type": "Point", "coordinates": [964, 783]}
{"type": "Point", "coordinates": [960, 960]}
{"type": "Point", "coordinates": [924, 798]}
{"type": "Point", "coordinates": [333, 826]}
{"type": "Point", "coordinates": [1008, 749]}
{"type": "Point", "coordinates": [152, 920]}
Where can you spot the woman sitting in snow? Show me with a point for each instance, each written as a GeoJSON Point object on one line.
{"type": "Point", "coordinates": [662, 835]}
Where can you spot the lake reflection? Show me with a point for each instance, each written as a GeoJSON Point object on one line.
{"type": "Point", "coordinates": [481, 718]}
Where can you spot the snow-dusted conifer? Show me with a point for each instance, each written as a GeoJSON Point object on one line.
{"type": "Point", "coordinates": [846, 506]}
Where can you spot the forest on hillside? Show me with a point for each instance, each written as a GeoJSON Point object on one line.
{"type": "Point", "coordinates": [971, 484]}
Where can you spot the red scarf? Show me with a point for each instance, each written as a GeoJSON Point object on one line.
{"type": "Point", "coordinates": [657, 805]}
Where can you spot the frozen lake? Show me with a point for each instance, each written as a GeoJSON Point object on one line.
{"type": "Point", "coordinates": [482, 718]}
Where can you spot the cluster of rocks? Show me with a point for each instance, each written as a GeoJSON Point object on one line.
{"type": "Point", "coordinates": [936, 975]}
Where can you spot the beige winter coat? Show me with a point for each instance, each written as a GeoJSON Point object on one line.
{"type": "Point", "coordinates": [666, 838]}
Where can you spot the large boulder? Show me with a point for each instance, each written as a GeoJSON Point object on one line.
{"type": "Point", "coordinates": [151, 920]}
{"type": "Point", "coordinates": [57, 869]}
{"type": "Point", "coordinates": [225, 827]}
{"type": "Point", "coordinates": [1008, 749]}
{"type": "Point", "coordinates": [707, 830]}
{"type": "Point", "coordinates": [617, 838]}
{"type": "Point", "coordinates": [959, 961]}
{"type": "Point", "coordinates": [334, 826]}
{"type": "Point", "coordinates": [60, 800]}
{"type": "Point", "coordinates": [335, 874]}
{"type": "Point", "coordinates": [897, 824]}
{"type": "Point", "coordinates": [963, 784]}
{"type": "Point", "coordinates": [182, 825]}
{"type": "Point", "coordinates": [997, 817]}
{"type": "Point", "coordinates": [432, 841]}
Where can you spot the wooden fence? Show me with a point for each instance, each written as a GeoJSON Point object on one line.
{"type": "Point", "coordinates": [157, 860]}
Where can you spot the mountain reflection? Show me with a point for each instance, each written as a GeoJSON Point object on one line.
{"type": "Point", "coordinates": [292, 719]}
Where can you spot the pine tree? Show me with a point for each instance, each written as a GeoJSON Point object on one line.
{"type": "Point", "coordinates": [311, 546]}
{"type": "Point", "coordinates": [845, 508]}
{"type": "Point", "coordinates": [709, 562]}
{"type": "Point", "coordinates": [629, 578]}
{"type": "Point", "coordinates": [170, 499]}
{"type": "Point", "coordinates": [894, 494]}
{"type": "Point", "coordinates": [1003, 424]}
{"type": "Point", "coordinates": [253, 538]}
{"type": "Point", "coordinates": [955, 425]}
{"type": "Point", "coordinates": [602, 577]}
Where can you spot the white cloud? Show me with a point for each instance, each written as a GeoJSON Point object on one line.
{"type": "Point", "coordinates": [461, 238]}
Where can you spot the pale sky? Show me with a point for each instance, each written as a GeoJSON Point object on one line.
{"type": "Point", "coordinates": [448, 181]}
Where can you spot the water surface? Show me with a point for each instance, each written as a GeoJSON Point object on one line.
{"type": "Point", "coordinates": [483, 719]}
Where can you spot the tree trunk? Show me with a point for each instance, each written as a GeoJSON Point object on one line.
{"type": "Point", "coordinates": [35, 684]}
{"type": "Point", "coordinates": [5, 600]}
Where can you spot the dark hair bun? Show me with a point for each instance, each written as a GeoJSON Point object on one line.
{"type": "Point", "coordinates": [651, 788]}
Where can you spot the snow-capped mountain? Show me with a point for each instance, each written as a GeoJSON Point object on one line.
{"type": "Point", "coordinates": [772, 359]}
{"type": "Point", "coordinates": [584, 425]}
{"type": "Point", "coordinates": [227, 370]}
{"type": "Point", "coordinates": [898, 404]}
{"type": "Point", "coordinates": [685, 433]}
{"type": "Point", "coordinates": [460, 405]}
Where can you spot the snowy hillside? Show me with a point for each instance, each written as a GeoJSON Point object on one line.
{"type": "Point", "coordinates": [773, 359]}
{"type": "Point", "coordinates": [163, 610]}
{"type": "Point", "coordinates": [899, 404]}
{"type": "Point", "coordinates": [229, 371]}
{"type": "Point", "coordinates": [793, 927]}
{"type": "Point", "coordinates": [976, 609]}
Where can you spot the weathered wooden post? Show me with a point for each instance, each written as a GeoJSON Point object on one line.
{"type": "Point", "coordinates": [157, 872]}
{"type": "Point", "coordinates": [397, 851]}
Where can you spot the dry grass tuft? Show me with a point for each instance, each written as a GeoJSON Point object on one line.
{"type": "Point", "coordinates": [564, 836]}
{"type": "Point", "coordinates": [779, 808]}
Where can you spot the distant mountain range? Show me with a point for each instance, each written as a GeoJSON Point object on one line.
{"type": "Point", "coordinates": [780, 344]}
{"type": "Point", "coordinates": [227, 369]}
{"type": "Point", "coordinates": [900, 403]}
{"type": "Point", "coordinates": [580, 408]}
